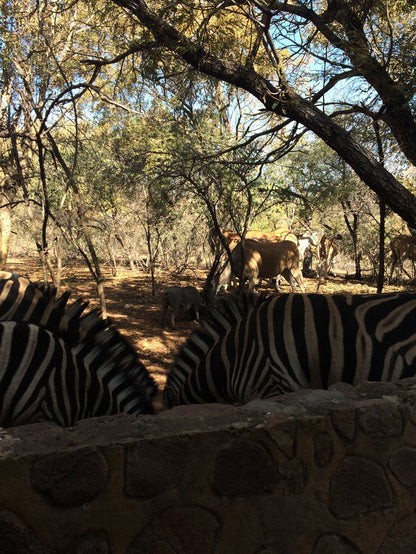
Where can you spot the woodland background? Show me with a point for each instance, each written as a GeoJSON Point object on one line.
{"type": "Point", "coordinates": [128, 129]}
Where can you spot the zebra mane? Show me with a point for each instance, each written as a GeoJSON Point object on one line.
{"type": "Point", "coordinates": [229, 310]}
{"type": "Point", "coordinates": [215, 324]}
{"type": "Point", "coordinates": [217, 320]}
{"type": "Point", "coordinates": [85, 333]}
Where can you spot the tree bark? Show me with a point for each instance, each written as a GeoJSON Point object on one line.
{"type": "Point", "coordinates": [282, 101]}
{"type": "Point", "coordinates": [353, 229]}
{"type": "Point", "coordinates": [396, 110]}
{"type": "Point", "coordinates": [350, 16]}
{"type": "Point", "coordinates": [5, 232]}
{"type": "Point", "coordinates": [382, 251]}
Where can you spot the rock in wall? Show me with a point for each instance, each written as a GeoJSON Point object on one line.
{"type": "Point", "coordinates": [313, 472]}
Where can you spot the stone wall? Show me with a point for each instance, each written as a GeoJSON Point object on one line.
{"type": "Point", "coordinates": [317, 472]}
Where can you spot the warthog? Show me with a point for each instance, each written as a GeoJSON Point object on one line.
{"type": "Point", "coordinates": [402, 247]}
{"type": "Point", "coordinates": [264, 260]}
{"type": "Point", "coordinates": [182, 302]}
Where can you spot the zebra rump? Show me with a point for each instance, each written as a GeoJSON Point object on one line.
{"type": "Point", "coordinates": [293, 341]}
{"type": "Point", "coordinates": [61, 364]}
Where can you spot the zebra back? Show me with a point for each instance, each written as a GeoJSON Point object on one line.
{"type": "Point", "coordinates": [295, 341]}
{"type": "Point", "coordinates": [88, 348]}
{"type": "Point", "coordinates": [217, 322]}
{"type": "Point", "coordinates": [22, 300]}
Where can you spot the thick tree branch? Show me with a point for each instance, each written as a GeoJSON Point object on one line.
{"type": "Point", "coordinates": [351, 15]}
{"type": "Point", "coordinates": [284, 102]}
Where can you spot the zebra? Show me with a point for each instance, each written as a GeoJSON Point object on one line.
{"type": "Point", "coordinates": [284, 343]}
{"type": "Point", "coordinates": [60, 364]}
{"type": "Point", "coordinates": [22, 300]}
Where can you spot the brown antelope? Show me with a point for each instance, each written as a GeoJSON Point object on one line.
{"type": "Point", "coordinates": [232, 238]}
{"type": "Point", "coordinates": [327, 251]}
{"type": "Point", "coordinates": [402, 247]}
{"type": "Point", "coordinates": [264, 260]}
{"type": "Point", "coordinates": [305, 240]}
{"type": "Point", "coordinates": [277, 235]}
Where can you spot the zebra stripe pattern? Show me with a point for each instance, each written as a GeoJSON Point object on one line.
{"type": "Point", "coordinates": [288, 342]}
{"type": "Point", "coordinates": [59, 364]}
{"type": "Point", "coordinates": [22, 300]}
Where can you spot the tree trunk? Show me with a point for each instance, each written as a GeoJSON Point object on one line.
{"type": "Point", "coordinates": [5, 233]}
{"type": "Point", "coordinates": [357, 257]}
{"type": "Point", "coordinates": [95, 266]}
{"type": "Point", "coordinates": [151, 257]}
{"type": "Point", "coordinates": [382, 250]}
{"type": "Point", "coordinates": [57, 274]}
{"type": "Point", "coordinates": [353, 230]}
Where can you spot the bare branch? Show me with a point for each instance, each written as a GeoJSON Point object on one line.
{"type": "Point", "coordinates": [134, 49]}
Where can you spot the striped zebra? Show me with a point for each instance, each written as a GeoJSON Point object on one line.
{"type": "Point", "coordinates": [22, 300]}
{"type": "Point", "coordinates": [293, 341]}
{"type": "Point", "coordinates": [60, 364]}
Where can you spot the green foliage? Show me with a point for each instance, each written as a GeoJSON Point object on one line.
{"type": "Point", "coordinates": [156, 152]}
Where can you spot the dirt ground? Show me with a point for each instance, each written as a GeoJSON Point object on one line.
{"type": "Point", "coordinates": [136, 313]}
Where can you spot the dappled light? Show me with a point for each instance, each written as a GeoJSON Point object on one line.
{"type": "Point", "coordinates": [136, 313]}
